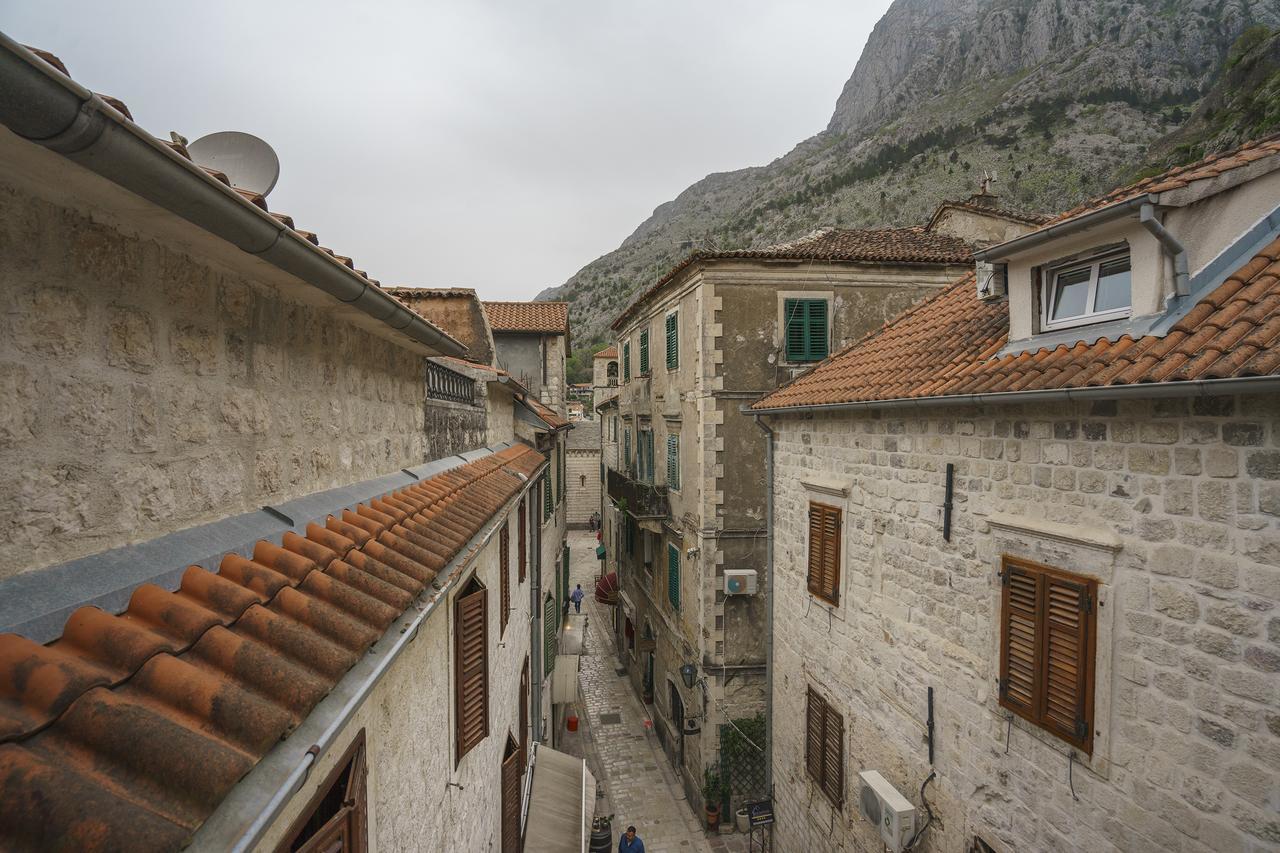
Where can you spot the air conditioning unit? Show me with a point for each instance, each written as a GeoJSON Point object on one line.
{"type": "Point", "coordinates": [993, 279]}
{"type": "Point", "coordinates": [739, 581]}
{"type": "Point", "coordinates": [883, 806]}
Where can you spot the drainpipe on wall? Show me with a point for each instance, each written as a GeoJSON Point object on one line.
{"type": "Point", "coordinates": [1173, 248]}
{"type": "Point", "coordinates": [768, 593]}
{"type": "Point", "coordinates": [536, 671]}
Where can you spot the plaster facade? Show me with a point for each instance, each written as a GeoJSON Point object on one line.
{"type": "Point", "coordinates": [537, 362]}
{"type": "Point", "coordinates": [1173, 505]}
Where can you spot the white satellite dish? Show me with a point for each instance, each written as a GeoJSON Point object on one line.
{"type": "Point", "coordinates": [247, 161]}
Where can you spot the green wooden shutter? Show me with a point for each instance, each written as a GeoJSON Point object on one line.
{"type": "Point", "coordinates": [548, 635]}
{"type": "Point", "coordinates": [626, 362]}
{"type": "Point", "coordinates": [673, 343]}
{"type": "Point", "coordinates": [673, 575]}
{"type": "Point", "coordinates": [626, 447]}
{"type": "Point", "coordinates": [673, 462]}
{"type": "Point", "coordinates": [546, 496]}
{"type": "Point", "coordinates": [644, 352]}
{"type": "Point", "coordinates": [805, 329]}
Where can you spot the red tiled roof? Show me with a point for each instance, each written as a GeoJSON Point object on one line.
{"type": "Point", "coordinates": [610, 351]}
{"type": "Point", "coordinates": [947, 345]}
{"type": "Point", "coordinates": [547, 414]}
{"type": "Point", "coordinates": [545, 317]}
{"type": "Point", "coordinates": [913, 245]}
{"type": "Point", "coordinates": [178, 145]}
{"type": "Point", "coordinates": [1208, 167]}
{"type": "Point", "coordinates": [128, 731]}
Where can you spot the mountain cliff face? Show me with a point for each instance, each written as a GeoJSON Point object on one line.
{"type": "Point", "coordinates": [1058, 98]}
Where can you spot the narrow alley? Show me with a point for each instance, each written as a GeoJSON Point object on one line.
{"type": "Point", "coordinates": [637, 785]}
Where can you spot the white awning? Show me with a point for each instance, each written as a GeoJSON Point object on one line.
{"type": "Point", "coordinates": [564, 680]}
{"type": "Point", "coordinates": [562, 803]}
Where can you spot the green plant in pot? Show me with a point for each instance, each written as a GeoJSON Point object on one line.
{"type": "Point", "coordinates": [713, 791]}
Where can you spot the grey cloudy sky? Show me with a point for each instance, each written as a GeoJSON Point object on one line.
{"type": "Point", "coordinates": [499, 146]}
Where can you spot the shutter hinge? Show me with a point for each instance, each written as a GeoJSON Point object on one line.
{"type": "Point", "coordinates": [1003, 574]}
{"type": "Point", "coordinates": [1082, 728]}
{"type": "Point", "coordinates": [1086, 603]}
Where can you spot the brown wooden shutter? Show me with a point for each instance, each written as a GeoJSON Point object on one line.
{"type": "Point", "coordinates": [833, 757]}
{"type": "Point", "coordinates": [1047, 640]}
{"type": "Point", "coordinates": [523, 542]}
{"type": "Point", "coordinates": [504, 573]}
{"type": "Point", "coordinates": [471, 668]}
{"type": "Point", "coordinates": [815, 711]}
{"type": "Point", "coordinates": [824, 551]}
{"type": "Point", "coordinates": [524, 716]}
{"type": "Point", "coordinates": [337, 817]}
{"type": "Point", "coordinates": [511, 798]}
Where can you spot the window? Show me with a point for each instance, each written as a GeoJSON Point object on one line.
{"type": "Point", "coordinates": [805, 329]}
{"type": "Point", "coordinates": [626, 361]}
{"type": "Point", "coordinates": [510, 795]}
{"type": "Point", "coordinates": [470, 667]}
{"type": "Point", "coordinates": [673, 462]}
{"type": "Point", "coordinates": [546, 496]}
{"type": "Point", "coordinates": [824, 747]}
{"type": "Point", "coordinates": [644, 352]}
{"type": "Point", "coordinates": [522, 540]}
{"type": "Point", "coordinates": [673, 341]}
{"type": "Point", "coordinates": [1047, 639]}
{"type": "Point", "coordinates": [824, 552]}
{"type": "Point", "coordinates": [673, 575]}
{"type": "Point", "coordinates": [549, 624]}
{"type": "Point", "coordinates": [1089, 292]}
{"type": "Point", "coordinates": [337, 817]}
{"type": "Point", "coordinates": [644, 464]}
{"type": "Point", "coordinates": [611, 374]}
{"type": "Point", "coordinates": [504, 576]}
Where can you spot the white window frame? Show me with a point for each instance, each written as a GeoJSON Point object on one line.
{"type": "Point", "coordinates": [1048, 289]}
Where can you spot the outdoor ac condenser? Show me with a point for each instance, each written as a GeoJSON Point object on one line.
{"type": "Point", "coordinates": [739, 581]}
{"type": "Point", "coordinates": [883, 806]}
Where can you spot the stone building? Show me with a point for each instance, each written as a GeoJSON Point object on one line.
{"type": "Point", "coordinates": [1026, 541]}
{"type": "Point", "coordinates": [230, 521]}
{"type": "Point", "coordinates": [459, 312]}
{"type": "Point", "coordinates": [604, 375]}
{"type": "Point", "coordinates": [687, 499]}
{"type": "Point", "coordinates": [531, 340]}
{"type": "Point", "coordinates": [583, 473]}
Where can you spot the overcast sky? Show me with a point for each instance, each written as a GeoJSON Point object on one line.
{"type": "Point", "coordinates": [500, 146]}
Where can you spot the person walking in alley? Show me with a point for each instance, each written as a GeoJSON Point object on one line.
{"type": "Point", "coordinates": [630, 842]}
{"type": "Point", "coordinates": [576, 598]}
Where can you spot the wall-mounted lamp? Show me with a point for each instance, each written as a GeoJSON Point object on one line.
{"type": "Point", "coordinates": [688, 673]}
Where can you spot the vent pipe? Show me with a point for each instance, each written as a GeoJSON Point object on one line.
{"type": "Point", "coordinates": [1181, 275]}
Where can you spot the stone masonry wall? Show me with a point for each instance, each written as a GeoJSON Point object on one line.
{"type": "Point", "coordinates": [146, 391]}
{"type": "Point", "coordinates": [1174, 505]}
{"type": "Point", "coordinates": [583, 487]}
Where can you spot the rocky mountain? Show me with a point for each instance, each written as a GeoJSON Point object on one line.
{"type": "Point", "coordinates": [1060, 99]}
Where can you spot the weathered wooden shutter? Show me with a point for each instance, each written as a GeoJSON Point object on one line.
{"type": "Point", "coordinates": [522, 540]}
{"type": "Point", "coordinates": [549, 624]}
{"type": "Point", "coordinates": [336, 823]}
{"type": "Point", "coordinates": [824, 551]}
{"type": "Point", "coordinates": [626, 361]}
{"type": "Point", "coordinates": [626, 448]}
{"type": "Point", "coordinates": [644, 352]}
{"type": "Point", "coordinates": [504, 576]}
{"type": "Point", "coordinates": [673, 342]}
{"type": "Point", "coordinates": [511, 766]}
{"type": "Point", "coordinates": [471, 668]}
{"type": "Point", "coordinates": [816, 329]}
{"type": "Point", "coordinates": [673, 575]}
{"type": "Point", "coordinates": [1047, 639]}
{"type": "Point", "coordinates": [673, 461]}
{"type": "Point", "coordinates": [833, 756]}
{"type": "Point", "coordinates": [814, 711]}
{"type": "Point", "coordinates": [805, 329]}
{"type": "Point", "coordinates": [547, 500]}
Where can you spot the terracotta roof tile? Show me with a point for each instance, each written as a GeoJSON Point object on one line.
{"type": "Point", "coordinates": [947, 344]}
{"type": "Point", "coordinates": [913, 245]}
{"type": "Point", "coordinates": [545, 317]}
{"type": "Point", "coordinates": [985, 205]}
{"type": "Point", "coordinates": [128, 730]}
{"type": "Point", "coordinates": [610, 351]}
{"type": "Point", "coordinates": [548, 414]}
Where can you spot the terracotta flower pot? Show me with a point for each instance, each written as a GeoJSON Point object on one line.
{"type": "Point", "coordinates": [713, 816]}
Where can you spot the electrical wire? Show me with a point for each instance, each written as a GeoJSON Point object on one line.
{"type": "Point", "coordinates": [910, 845]}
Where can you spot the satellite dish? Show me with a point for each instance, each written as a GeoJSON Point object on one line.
{"type": "Point", "coordinates": [247, 161]}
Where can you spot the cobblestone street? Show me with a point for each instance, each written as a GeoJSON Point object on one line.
{"type": "Point", "coordinates": [638, 785]}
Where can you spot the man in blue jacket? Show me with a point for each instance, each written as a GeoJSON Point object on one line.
{"type": "Point", "coordinates": [629, 842]}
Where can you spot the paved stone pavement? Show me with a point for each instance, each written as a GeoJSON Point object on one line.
{"type": "Point", "coordinates": [636, 783]}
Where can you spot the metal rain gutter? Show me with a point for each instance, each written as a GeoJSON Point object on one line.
{"type": "Point", "coordinates": [1175, 249]}
{"type": "Point", "coordinates": [42, 105]}
{"type": "Point", "coordinates": [1146, 390]}
{"type": "Point", "coordinates": [1070, 226]}
{"type": "Point", "coordinates": [408, 634]}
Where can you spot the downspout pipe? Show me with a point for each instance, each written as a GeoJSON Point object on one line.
{"type": "Point", "coordinates": [41, 105]}
{"type": "Point", "coordinates": [1173, 248]}
{"type": "Point", "coordinates": [768, 594]}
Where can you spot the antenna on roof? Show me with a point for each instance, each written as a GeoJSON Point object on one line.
{"type": "Point", "coordinates": [248, 162]}
{"type": "Point", "coordinates": [988, 178]}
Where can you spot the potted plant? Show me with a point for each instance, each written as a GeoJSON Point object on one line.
{"type": "Point", "coordinates": [743, 819]}
{"type": "Point", "coordinates": [712, 794]}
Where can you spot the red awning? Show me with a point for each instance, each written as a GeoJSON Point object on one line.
{"type": "Point", "coordinates": [607, 589]}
